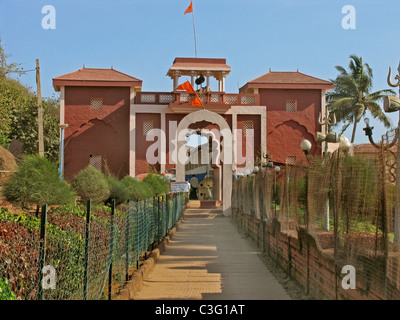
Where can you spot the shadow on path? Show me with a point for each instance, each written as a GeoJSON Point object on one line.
{"type": "Point", "coordinates": [209, 259]}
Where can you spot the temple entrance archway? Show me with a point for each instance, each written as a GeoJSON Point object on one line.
{"type": "Point", "coordinates": [226, 152]}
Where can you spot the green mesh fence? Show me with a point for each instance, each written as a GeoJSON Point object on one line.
{"type": "Point", "coordinates": [347, 204]}
{"type": "Point", "coordinates": [79, 256]}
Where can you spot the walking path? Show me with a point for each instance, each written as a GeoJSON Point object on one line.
{"type": "Point", "coordinates": [209, 259]}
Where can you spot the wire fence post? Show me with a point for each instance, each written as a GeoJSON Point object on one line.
{"type": "Point", "coordinates": [111, 249]}
{"type": "Point", "coordinates": [137, 234]}
{"type": "Point", "coordinates": [154, 223]}
{"type": "Point", "coordinates": [165, 200]}
{"type": "Point", "coordinates": [164, 215]}
{"type": "Point", "coordinates": [147, 235]}
{"type": "Point", "coordinates": [159, 221]}
{"type": "Point", "coordinates": [127, 241]}
{"type": "Point", "coordinates": [86, 259]}
{"type": "Point", "coordinates": [168, 213]}
{"type": "Point", "coordinates": [42, 250]}
{"type": "Point", "coordinates": [175, 203]}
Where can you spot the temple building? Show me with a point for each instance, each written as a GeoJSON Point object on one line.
{"type": "Point", "coordinates": [113, 124]}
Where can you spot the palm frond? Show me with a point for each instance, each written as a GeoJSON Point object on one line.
{"type": "Point", "coordinates": [376, 112]}
{"type": "Point", "coordinates": [351, 96]}
{"type": "Point", "coordinates": [344, 127]}
{"type": "Point", "coordinates": [342, 70]}
{"type": "Point", "coordinates": [378, 95]}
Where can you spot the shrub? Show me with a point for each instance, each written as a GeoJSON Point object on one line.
{"type": "Point", "coordinates": [157, 183]}
{"type": "Point", "coordinates": [118, 191]}
{"type": "Point", "coordinates": [64, 251]}
{"type": "Point", "coordinates": [37, 181]}
{"type": "Point", "coordinates": [137, 190]}
{"type": "Point", "coordinates": [90, 183]}
{"type": "Point", "coordinates": [5, 291]}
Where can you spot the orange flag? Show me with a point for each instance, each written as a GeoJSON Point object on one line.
{"type": "Point", "coordinates": [188, 88]}
{"type": "Point", "coordinates": [196, 102]}
{"type": "Point", "coordinates": [190, 8]}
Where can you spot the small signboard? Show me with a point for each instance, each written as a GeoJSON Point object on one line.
{"type": "Point", "coordinates": [180, 186]}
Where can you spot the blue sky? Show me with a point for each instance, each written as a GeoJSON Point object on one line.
{"type": "Point", "coordinates": [142, 38]}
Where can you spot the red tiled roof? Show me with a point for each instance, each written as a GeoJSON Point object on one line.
{"type": "Point", "coordinates": [279, 79]}
{"type": "Point", "coordinates": [95, 76]}
{"type": "Point", "coordinates": [200, 63]}
{"type": "Point", "coordinates": [185, 66]}
{"type": "Point", "coordinates": [369, 148]}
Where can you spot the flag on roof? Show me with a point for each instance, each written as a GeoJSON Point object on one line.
{"type": "Point", "coordinates": [190, 8]}
{"type": "Point", "coordinates": [186, 86]}
{"type": "Point", "coordinates": [196, 102]}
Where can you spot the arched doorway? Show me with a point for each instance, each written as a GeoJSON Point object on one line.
{"type": "Point", "coordinates": [226, 152]}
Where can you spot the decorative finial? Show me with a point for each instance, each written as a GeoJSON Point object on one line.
{"type": "Point", "coordinates": [397, 77]}
{"type": "Point", "coordinates": [327, 120]}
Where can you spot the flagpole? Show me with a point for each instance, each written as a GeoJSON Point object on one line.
{"type": "Point", "coordinates": [194, 32]}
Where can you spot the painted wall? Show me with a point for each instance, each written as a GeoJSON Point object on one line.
{"type": "Point", "coordinates": [97, 132]}
{"type": "Point", "coordinates": [285, 130]}
{"type": "Point", "coordinates": [241, 148]}
{"type": "Point", "coordinates": [142, 145]}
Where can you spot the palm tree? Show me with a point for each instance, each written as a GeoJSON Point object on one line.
{"type": "Point", "coordinates": [351, 97]}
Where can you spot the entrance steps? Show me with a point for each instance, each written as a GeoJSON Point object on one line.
{"type": "Point", "coordinates": [204, 204]}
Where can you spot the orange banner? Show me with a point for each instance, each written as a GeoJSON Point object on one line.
{"type": "Point", "coordinates": [196, 102]}
{"type": "Point", "coordinates": [190, 8]}
{"type": "Point", "coordinates": [186, 86]}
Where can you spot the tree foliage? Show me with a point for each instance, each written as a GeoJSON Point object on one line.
{"type": "Point", "coordinates": [18, 114]}
{"type": "Point", "coordinates": [8, 67]}
{"type": "Point", "coordinates": [352, 95]}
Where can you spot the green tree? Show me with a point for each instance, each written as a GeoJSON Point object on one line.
{"type": "Point", "coordinates": [8, 67]}
{"type": "Point", "coordinates": [11, 95]}
{"type": "Point", "coordinates": [18, 113]}
{"type": "Point", "coordinates": [352, 95]}
{"type": "Point", "coordinates": [25, 128]}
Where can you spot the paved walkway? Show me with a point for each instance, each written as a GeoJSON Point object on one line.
{"type": "Point", "coordinates": [209, 259]}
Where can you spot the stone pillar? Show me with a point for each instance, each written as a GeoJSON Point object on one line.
{"type": "Point", "coordinates": [192, 79]}
{"type": "Point", "coordinates": [217, 183]}
{"type": "Point", "coordinates": [223, 84]}
{"type": "Point", "coordinates": [176, 80]}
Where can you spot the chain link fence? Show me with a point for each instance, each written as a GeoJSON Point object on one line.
{"type": "Point", "coordinates": [81, 254]}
